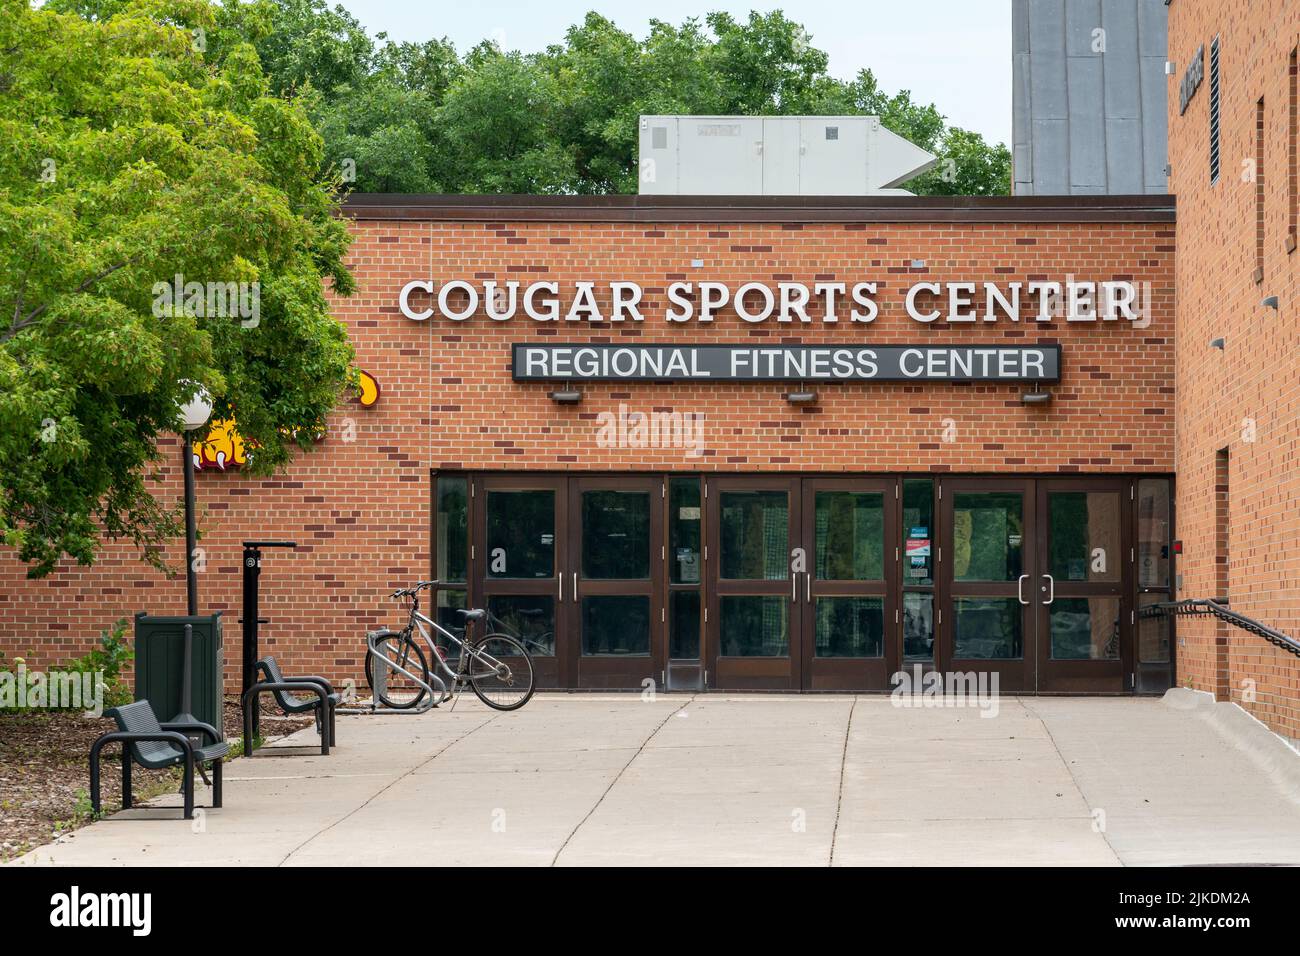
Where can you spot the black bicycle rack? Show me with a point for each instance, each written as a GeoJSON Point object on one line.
{"type": "Point", "coordinates": [250, 619]}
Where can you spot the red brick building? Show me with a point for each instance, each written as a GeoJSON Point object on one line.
{"type": "Point", "coordinates": [907, 484]}
{"type": "Point", "coordinates": [1232, 148]}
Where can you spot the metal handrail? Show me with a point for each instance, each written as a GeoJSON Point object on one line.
{"type": "Point", "coordinates": [1219, 608]}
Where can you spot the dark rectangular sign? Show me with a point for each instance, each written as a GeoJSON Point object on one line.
{"type": "Point", "coordinates": [785, 363]}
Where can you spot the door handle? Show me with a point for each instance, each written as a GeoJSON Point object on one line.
{"type": "Point", "coordinates": [1020, 588]}
{"type": "Point", "coordinates": [561, 577]}
{"type": "Point", "coordinates": [575, 587]}
{"type": "Point", "coordinates": [794, 588]}
{"type": "Point", "coordinates": [807, 587]}
{"type": "Point", "coordinates": [1050, 589]}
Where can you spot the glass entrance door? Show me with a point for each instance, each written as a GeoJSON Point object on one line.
{"type": "Point", "coordinates": [846, 586]}
{"type": "Point", "coordinates": [985, 621]}
{"type": "Point", "coordinates": [519, 556]}
{"type": "Point", "coordinates": [820, 583]}
{"type": "Point", "coordinates": [1082, 595]}
{"type": "Point", "coordinates": [751, 617]}
{"type": "Point", "coordinates": [616, 588]}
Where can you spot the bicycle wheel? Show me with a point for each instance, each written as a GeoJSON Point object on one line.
{"type": "Point", "coordinates": [501, 672]}
{"type": "Point", "coordinates": [400, 692]}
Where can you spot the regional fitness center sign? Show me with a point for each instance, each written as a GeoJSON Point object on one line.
{"type": "Point", "coordinates": [788, 302]}
{"type": "Point", "coordinates": [785, 363]}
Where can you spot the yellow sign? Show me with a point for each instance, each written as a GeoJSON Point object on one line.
{"type": "Point", "coordinates": [223, 447]}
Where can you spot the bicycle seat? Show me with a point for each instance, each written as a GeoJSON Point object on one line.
{"type": "Point", "coordinates": [472, 614]}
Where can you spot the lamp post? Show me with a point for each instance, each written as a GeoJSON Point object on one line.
{"type": "Point", "coordinates": [194, 414]}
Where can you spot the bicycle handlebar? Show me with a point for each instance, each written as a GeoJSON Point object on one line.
{"type": "Point", "coordinates": [412, 591]}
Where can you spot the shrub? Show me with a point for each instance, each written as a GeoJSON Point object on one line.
{"type": "Point", "coordinates": [109, 659]}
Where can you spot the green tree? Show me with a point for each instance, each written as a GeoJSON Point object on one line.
{"type": "Point", "coordinates": [497, 127]}
{"type": "Point", "coordinates": [304, 42]}
{"type": "Point", "coordinates": [132, 157]}
{"type": "Point", "coordinates": [416, 116]}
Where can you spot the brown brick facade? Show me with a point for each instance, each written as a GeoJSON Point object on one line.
{"type": "Point", "coordinates": [1238, 444]}
{"type": "Point", "coordinates": [358, 504]}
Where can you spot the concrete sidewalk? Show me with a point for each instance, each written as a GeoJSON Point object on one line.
{"type": "Point", "coordinates": [714, 779]}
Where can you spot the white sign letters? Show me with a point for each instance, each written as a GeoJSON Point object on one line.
{"type": "Point", "coordinates": [755, 302]}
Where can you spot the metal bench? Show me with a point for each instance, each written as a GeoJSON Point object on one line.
{"type": "Point", "coordinates": [323, 704]}
{"type": "Point", "coordinates": [155, 746]}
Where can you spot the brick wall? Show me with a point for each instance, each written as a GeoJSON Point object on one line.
{"type": "Point", "coordinates": [1235, 246]}
{"type": "Point", "coordinates": [360, 507]}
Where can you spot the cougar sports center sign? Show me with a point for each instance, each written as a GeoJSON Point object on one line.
{"type": "Point", "coordinates": [755, 302]}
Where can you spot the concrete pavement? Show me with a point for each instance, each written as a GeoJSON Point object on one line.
{"type": "Point", "coordinates": [581, 779]}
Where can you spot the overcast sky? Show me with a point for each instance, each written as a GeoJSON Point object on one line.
{"type": "Point", "coordinates": [953, 53]}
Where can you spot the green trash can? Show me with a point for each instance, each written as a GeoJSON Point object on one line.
{"type": "Point", "coordinates": [160, 662]}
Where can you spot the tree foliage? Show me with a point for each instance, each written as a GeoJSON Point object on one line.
{"type": "Point", "coordinates": [140, 142]}
{"type": "Point", "coordinates": [419, 117]}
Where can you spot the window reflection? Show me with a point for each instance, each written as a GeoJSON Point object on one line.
{"type": "Point", "coordinates": [1085, 535]}
{"type": "Point", "coordinates": [1154, 518]}
{"type": "Point", "coordinates": [988, 536]}
{"type": "Point", "coordinates": [684, 625]}
{"type": "Point", "coordinates": [616, 535]}
{"type": "Point", "coordinates": [987, 628]}
{"type": "Point", "coordinates": [1085, 629]}
{"type": "Point", "coordinates": [918, 531]}
{"type": "Point", "coordinates": [452, 528]}
{"type": "Point", "coordinates": [616, 624]}
{"type": "Point", "coordinates": [754, 626]}
{"type": "Point", "coordinates": [521, 534]}
{"type": "Point", "coordinates": [850, 535]}
{"type": "Point", "coordinates": [684, 530]}
{"type": "Point", "coordinates": [528, 618]}
{"type": "Point", "coordinates": [918, 625]}
{"type": "Point", "coordinates": [850, 627]}
{"type": "Point", "coordinates": [755, 528]}
{"type": "Point", "coordinates": [1153, 632]}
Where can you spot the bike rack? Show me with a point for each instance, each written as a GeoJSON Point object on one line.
{"type": "Point", "coordinates": [380, 676]}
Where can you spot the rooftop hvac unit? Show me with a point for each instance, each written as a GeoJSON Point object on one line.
{"type": "Point", "coordinates": [775, 156]}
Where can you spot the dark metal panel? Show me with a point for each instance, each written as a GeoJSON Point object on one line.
{"type": "Point", "coordinates": [956, 209]}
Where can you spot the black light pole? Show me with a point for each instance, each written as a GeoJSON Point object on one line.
{"type": "Point", "coordinates": [191, 534]}
{"type": "Point", "coordinates": [191, 587]}
{"type": "Point", "coordinates": [193, 415]}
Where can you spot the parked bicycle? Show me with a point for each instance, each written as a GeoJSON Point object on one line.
{"type": "Point", "coordinates": [495, 666]}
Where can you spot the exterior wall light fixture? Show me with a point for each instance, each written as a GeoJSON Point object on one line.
{"type": "Point", "coordinates": [1036, 397]}
{"type": "Point", "coordinates": [801, 398]}
{"type": "Point", "coordinates": [570, 397]}
{"type": "Point", "coordinates": [1270, 302]}
{"type": "Point", "coordinates": [1216, 344]}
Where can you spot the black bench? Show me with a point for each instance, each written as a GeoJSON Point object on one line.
{"type": "Point", "coordinates": [323, 704]}
{"type": "Point", "coordinates": [155, 746]}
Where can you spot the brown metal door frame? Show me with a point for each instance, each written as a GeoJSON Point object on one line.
{"type": "Point", "coordinates": [551, 671]}
{"type": "Point", "coordinates": [1106, 676]}
{"type": "Point", "coordinates": [801, 669]}
{"type": "Point", "coordinates": [850, 673]}
{"type": "Point", "coordinates": [1015, 674]}
{"type": "Point", "coordinates": [740, 673]}
{"type": "Point", "coordinates": [617, 671]}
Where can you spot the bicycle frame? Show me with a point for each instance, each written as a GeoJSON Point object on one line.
{"type": "Point", "coordinates": [417, 622]}
{"type": "Point", "coordinates": [437, 688]}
